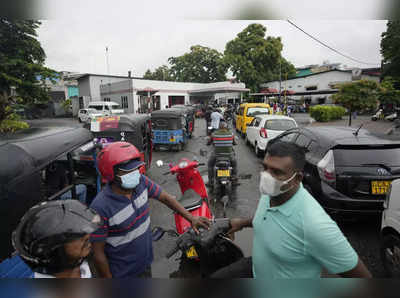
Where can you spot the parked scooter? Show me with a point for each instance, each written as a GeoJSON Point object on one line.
{"type": "Point", "coordinates": [211, 248]}
{"type": "Point", "coordinates": [378, 115]}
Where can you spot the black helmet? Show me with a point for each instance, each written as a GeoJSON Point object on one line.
{"type": "Point", "coordinates": [45, 228]}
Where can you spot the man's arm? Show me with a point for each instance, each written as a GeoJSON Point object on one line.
{"type": "Point", "coordinates": [100, 260]}
{"type": "Point", "coordinates": [172, 203]}
{"type": "Point", "coordinates": [239, 223]}
{"type": "Point", "coordinates": [360, 271]}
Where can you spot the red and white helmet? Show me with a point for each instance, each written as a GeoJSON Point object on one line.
{"type": "Point", "coordinates": [115, 154]}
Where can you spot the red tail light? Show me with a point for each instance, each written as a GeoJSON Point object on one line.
{"type": "Point", "coordinates": [263, 133]}
{"type": "Point", "coordinates": [326, 168]}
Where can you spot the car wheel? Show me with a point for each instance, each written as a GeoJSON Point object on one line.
{"type": "Point", "coordinates": [257, 150]}
{"type": "Point", "coordinates": [79, 119]}
{"type": "Point", "coordinates": [390, 254]}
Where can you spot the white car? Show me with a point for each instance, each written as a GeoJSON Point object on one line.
{"type": "Point", "coordinates": [264, 128]}
{"type": "Point", "coordinates": [86, 115]}
{"type": "Point", "coordinates": [390, 231]}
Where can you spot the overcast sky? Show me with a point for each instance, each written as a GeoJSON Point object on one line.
{"type": "Point", "coordinates": [138, 40]}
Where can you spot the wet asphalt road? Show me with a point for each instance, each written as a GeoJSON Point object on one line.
{"type": "Point", "coordinates": [364, 236]}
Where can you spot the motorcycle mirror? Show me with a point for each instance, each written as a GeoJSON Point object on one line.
{"type": "Point", "coordinates": [157, 233]}
{"type": "Point", "coordinates": [203, 152]}
{"type": "Point", "coordinates": [159, 163]}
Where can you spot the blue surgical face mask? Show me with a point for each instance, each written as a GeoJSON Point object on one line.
{"type": "Point", "coordinates": [130, 180]}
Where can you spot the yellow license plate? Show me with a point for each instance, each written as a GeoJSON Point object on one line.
{"type": "Point", "coordinates": [223, 173]}
{"type": "Point", "coordinates": [191, 253]}
{"type": "Point", "coordinates": [380, 187]}
{"type": "Point", "coordinates": [172, 140]}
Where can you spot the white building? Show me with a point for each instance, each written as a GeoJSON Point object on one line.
{"type": "Point", "coordinates": [317, 88]}
{"type": "Point", "coordinates": [137, 94]}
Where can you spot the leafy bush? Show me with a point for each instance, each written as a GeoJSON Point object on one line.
{"type": "Point", "coordinates": [12, 123]}
{"type": "Point", "coordinates": [327, 113]}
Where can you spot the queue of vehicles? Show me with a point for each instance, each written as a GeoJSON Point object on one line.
{"type": "Point", "coordinates": [349, 171]}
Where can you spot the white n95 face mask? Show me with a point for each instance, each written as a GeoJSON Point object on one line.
{"type": "Point", "coordinates": [271, 186]}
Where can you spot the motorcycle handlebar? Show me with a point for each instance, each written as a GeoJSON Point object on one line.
{"type": "Point", "coordinates": [166, 173]}
{"type": "Point", "coordinates": [202, 164]}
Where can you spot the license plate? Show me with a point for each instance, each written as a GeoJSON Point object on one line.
{"type": "Point", "coordinates": [223, 173]}
{"type": "Point", "coordinates": [191, 253]}
{"type": "Point", "coordinates": [172, 140]}
{"type": "Point", "coordinates": [380, 187]}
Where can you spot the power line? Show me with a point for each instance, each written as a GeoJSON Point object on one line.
{"type": "Point", "coordinates": [329, 47]}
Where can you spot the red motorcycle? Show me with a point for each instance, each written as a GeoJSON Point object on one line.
{"type": "Point", "coordinates": [211, 248]}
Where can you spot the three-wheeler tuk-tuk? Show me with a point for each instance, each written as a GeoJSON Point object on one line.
{"type": "Point", "coordinates": [28, 160]}
{"type": "Point", "coordinates": [190, 112]}
{"type": "Point", "coordinates": [133, 128]}
{"type": "Point", "coordinates": [170, 129]}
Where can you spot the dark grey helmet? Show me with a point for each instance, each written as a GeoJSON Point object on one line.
{"type": "Point", "coordinates": [45, 228]}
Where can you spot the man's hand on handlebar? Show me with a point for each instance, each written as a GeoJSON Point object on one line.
{"type": "Point", "coordinates": [200, 222]}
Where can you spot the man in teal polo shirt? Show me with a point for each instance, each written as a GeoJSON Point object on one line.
{"type": "Point", "coordinates": [293, 236]}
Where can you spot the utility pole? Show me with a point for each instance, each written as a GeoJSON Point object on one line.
{"type": "Point", "coordinates": [280, 79]}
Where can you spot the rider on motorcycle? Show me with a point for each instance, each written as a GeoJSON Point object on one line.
{"type": "Point", "coordinates": [223, 141]}
{"type": "Point", "coordinates": [53, 238]}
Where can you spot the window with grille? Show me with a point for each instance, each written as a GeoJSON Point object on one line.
{"type": "Point", "coordinates": [124, 102]}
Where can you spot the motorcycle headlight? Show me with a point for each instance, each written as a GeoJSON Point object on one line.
{"type": "Point", "coordinates": [183, 164]}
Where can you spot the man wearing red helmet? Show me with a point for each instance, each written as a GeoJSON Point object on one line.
{"type": "Point", "coordinates": [123, 246]}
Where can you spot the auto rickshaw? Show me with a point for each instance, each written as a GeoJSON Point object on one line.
{"type": "Point", "coordinates": [170, 129]}
{"type": "Point", "coordinates": [190, 117]}
{"type": "Point", "coordinates": [133, 128]}
{"type": "Point", "coordinates": [25, 158]}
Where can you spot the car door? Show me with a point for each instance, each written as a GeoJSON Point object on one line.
{"type": "Point", "coordinates": [255, 130]}
{"type": "Point", "coordinates": [250, 131]}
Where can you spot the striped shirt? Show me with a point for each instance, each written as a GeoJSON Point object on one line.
{"type": "Point", "coordinates": [126, 229]}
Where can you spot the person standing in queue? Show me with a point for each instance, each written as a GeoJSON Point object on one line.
{"type": "Point", "coordinates": [293, 235]}
{"type": "Point", "coordinates": [123, 246]}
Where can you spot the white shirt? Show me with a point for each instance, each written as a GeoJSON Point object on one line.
{"type": "Point", "coordinates": [215, 118]}
{"type": "Point", "coordinates": [85, 272]}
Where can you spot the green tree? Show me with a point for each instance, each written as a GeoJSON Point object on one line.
{"type": "Point", "coordinates": [200, 65]}
{"type": "Point", "coordinates": [21, 66]}
{"type": "Point", "coordinates": [359, 95]}
{"type": "Point", "coordinates": [255, 59]}
{"type": "Point", "coordinates": [390, 49]}
{"type": "Point", "coordinates": [387, 92]}
{"type": "Point", "coordinates": [162, 73]}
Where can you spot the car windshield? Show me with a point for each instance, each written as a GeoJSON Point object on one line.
{"type": "Point", "coordinates": [364, 157]}
{"type": "Point", "coordinates": [279, 124]}
{"type": "Point", "coordinates": [98, 108]}
{"type": "Point", "coordinates": [115, 107]}
{"type": "Point", "coordinates": [251, 112]}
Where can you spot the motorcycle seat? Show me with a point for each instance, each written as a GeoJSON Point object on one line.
{"type": "Point", "coordinates": [190, 199]}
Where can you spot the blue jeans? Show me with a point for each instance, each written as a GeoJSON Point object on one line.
{"type": "Point", "coordinates": [80, 192]}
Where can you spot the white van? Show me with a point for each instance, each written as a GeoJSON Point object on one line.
{"type": "Point", "coordinates": [390, 231]}
{"type": "Point", "coordinates": [106, 107]}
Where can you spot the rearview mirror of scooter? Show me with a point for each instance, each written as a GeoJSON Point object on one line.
{"type": "Point", "coordinates": [159, 163]}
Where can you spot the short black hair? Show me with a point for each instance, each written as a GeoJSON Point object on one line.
{"type": "Point", "coordinates": [286, 149]}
